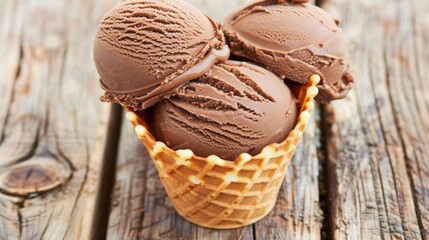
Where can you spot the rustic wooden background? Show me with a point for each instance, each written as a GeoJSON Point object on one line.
{"type": "Point", "coordinates": [71, 169]}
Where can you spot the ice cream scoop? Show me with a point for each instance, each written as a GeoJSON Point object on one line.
{"type": "Point", "coordinates": [166, 63]}
{"type": "Point", "coordinates": [294, 41]}
{"type": "Point", "coordinates": [144, 49]}
{"type": "Point", "coordinates": [234, 108]}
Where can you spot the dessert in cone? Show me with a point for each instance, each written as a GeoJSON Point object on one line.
{"type": "Point", "coordinates": [216, 193]}
{"type": "Point", "coordinates": [241, 121]}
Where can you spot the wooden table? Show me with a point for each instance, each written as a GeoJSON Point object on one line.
{"type": "Point", "coordinates": [71, 168]}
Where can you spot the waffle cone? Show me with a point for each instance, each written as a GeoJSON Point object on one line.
{"type": "Point", "coordinates": [222, 194]}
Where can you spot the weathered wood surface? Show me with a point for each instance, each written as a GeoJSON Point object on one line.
{"type": "Point", "coordinates": [378, 142]}
{"type": "Point", "coordinates": [141, 209]}
{"type": "Point", "coordinates": [52, 126]}
{"type": "Point", "coordinates": [55, 147]}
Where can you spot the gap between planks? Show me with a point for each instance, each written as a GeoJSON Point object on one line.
{"type": "Point", "coordinates": [50, 119]}
{"type": "Point", "coordinates": [107, 173]}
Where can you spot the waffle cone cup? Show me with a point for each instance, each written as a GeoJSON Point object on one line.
{"type": "Point", "coordinates": [217, 193]}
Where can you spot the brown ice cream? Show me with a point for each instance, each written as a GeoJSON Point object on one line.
{"type": "Point", "coordinates": [234, 108]}
{"type": "Point", "coordinates": [144, 49]}
{"type": "Point", "coordinates": [293, 40]}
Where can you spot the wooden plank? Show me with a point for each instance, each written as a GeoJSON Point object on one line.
{"type": "Point", "coordinates": [9, 66]}
{"type": "Point", "coordinates": [410, 96]}
{"type": "Point", "coordinates": [141, 209]}
{"type": "Point", "coordinates": [52, 125]}
{"type": "Point", "coordinates": [377, 140]}
{"type": "Point", "coordinates": [297, 214]}
{"type": "Point", "coordinates": [419, 165]}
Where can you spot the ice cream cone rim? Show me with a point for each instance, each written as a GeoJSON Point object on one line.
{"type": "Point", "coordinates": [181, 186]}
{"type": "Point", "coordinates": [306, 96]}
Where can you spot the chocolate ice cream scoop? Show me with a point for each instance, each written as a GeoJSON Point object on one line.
{"type": "Point", "coordinates": [294, 41]}
{"type": "Point", "coordinates": [144, 49]}
{"type": "Point", "coordinates": [234, 108]}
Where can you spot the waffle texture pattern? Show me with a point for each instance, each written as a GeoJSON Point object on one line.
{"type": "Point", "coordinates": [221, 194]}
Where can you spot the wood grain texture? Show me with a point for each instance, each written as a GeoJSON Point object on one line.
{"type": "Point", "coordinates": [378, 143]}
{"type": "Point", "coordinates": [52, 125]}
